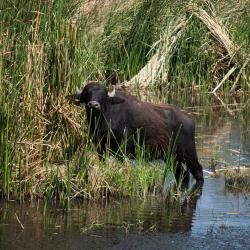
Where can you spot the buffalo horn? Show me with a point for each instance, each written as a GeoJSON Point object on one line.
{"type": "Point", "coordinates": [112, 94]}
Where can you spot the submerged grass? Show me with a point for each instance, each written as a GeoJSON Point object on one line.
{"type": "Point", "coordinates": [48, 48]}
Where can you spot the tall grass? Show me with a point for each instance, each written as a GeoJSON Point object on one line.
{"type": "Point", "coordinates": [47, 49]}
{"type": "Point", "coordinates": [198, 59]}
{"type": "Point", "coordinates": [39, 55]}
{"type": "Point", "coordinates": [128, 37]}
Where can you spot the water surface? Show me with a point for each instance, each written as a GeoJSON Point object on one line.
{"type": "Point", "coordinates": [215, 218]}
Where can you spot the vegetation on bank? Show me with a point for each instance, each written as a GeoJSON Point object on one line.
{"type": "Point", "coordinates": [238, 179]}
{"type": "Point", "coordinates": [48, 48]}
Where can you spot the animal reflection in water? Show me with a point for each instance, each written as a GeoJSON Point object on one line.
{"type": "Point", "coordinates": [172, 215]}
{"type": "Point", "coordinates": [139, 122]}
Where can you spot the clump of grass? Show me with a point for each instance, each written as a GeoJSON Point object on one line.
{"type": "Point", "coordinates": [238, 179]}
{"type": "Point", "coordinates": [93, 180]}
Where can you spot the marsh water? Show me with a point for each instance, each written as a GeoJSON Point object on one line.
{"type": "Point", "coordinates": [215, 218]}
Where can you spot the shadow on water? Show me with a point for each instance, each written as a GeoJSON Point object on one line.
{"type": "Point", "coordinates": [211, 218]}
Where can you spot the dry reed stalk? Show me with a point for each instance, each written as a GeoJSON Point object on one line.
{"type": "Point", "coordinates": [224, 78]}
{"type": "Point", "coordinates": [215, 27]}
{"type": "Point", "coordinates": [230, 111]}
{"type": "Point", "coordinates": [158, 65]}
{"type": "Point", "coordinates": [240, 73]}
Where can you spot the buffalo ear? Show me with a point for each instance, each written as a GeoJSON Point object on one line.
{"type": "Point", "coordinates": [115, 100]}
{"type": "Point", "coordinates": [74, 98]}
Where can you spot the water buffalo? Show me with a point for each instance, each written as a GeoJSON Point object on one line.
{"type": "Point", "coordinates": [118, 117]}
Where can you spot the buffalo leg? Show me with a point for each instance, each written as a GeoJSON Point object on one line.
{"type": "Point", "coordinates": [196, 170]}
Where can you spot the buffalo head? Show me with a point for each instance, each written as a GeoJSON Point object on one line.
{"type": "Point", "coordinates": [95, 96]}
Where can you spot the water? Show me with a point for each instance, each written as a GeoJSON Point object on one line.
{"type": "Point", "coordinates": [215, 218]}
